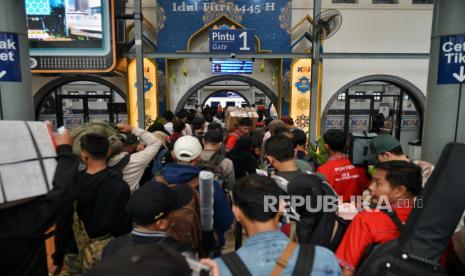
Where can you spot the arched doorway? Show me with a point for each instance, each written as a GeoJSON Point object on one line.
{"type": "Point", "coordinates": [252, 82]}
{"type": "Point", "coordinates": [73, 100]}
{"type": "Point", "coordinates": [358, 105]}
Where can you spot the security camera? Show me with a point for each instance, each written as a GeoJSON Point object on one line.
{"type": "Point", "coordinates": [233, 55]}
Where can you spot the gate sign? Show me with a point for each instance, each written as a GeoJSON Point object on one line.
{"type": "Point", "coordinates": [452, 60]}
{"type": "Point", "coordinates": [10, 68]}
{"type": "Point", "coordinates": [232, 41]}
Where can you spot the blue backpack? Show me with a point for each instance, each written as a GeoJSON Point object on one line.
{"type": "Point", "coordinates": [159, 161]}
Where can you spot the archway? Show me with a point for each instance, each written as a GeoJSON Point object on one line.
{"type": "Point", "coordinates": [262, 87]}
{"type": "Point", "coordinates": [358, 106]}
{"type": "Point", "coordinates": [76, 99]}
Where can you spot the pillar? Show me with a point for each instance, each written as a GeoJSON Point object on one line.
{"type": "Point", "coordinates": [445, 108]}
{"type": "Point", "coordinates": [16, 97]}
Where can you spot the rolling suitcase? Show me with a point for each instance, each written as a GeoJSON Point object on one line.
{"type": "Point", "coordinates": [430, 225]}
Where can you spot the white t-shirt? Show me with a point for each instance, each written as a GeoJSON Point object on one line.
{"type": "Point", "coordinates": [169, 127]}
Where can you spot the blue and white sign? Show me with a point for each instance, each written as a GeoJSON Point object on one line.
{"type": "Point", "coordinates": [232, 41]}
{"type": "Point", "coordinates": [10, 68]}
{"type": "Point", "coordinates": [452, 60]}
{"type": "Point", "coordinates": [178, 20]}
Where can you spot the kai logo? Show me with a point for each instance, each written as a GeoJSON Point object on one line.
{"type": "Point", "coordinates": [303, 85]}
{"type": "Point", "coordinates": [147, 85]}
{"type": "Point", "coordinates": [306, 69]}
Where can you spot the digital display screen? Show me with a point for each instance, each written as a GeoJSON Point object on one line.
{"type": "Point", "coordinates": [232, 66]}
{"type": "Point", "coordinates": [66, 24]}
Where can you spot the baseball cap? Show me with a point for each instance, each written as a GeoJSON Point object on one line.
{"type": "Point", "coordinates": [381, 144]}
{"type": "Point", "coordinates": [187, 148]}
{"type": "Point", "coordinates": [143, 260]}
{"type": "Point", "coordinates": [154, 200]}
{"type": "Point", "coordinates": [213, 136]}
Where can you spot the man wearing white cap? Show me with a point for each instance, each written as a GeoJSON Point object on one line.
{"type": "Point", "coordinates": [184, 170]}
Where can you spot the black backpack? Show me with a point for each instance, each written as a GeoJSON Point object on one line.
{"type": "Point", "coordinates": [371, 247]}
{"type": "Point", "coordinates": [323, 228]}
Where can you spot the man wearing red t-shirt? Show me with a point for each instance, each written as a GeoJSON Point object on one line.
{"type": "Point", "coordinates": [245, 125]}
{"type": "Point", "coordinates": [344, 177]}
{"type": "Point", "coordinates": [394, 187]}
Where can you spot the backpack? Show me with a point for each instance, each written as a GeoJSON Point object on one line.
{"type": "Point", "coordinates": [159, 161]}
{"type": "Point", "coordinates": [324, 228]}
{"type": "Point", "coordinates": [303, 265]}
{"type": "Point", "coordinates": [99, 127]}
{"type": "Point", "coordinates": [213, 165]}
{"type": "Point", "coordinates": [89, 249]}
{"type": "Point", "coordinates": [185, 226]}
{"type": "Point", "coordinates": [391, 259]}
{"type": "Point", "coordinates": [371, 247]}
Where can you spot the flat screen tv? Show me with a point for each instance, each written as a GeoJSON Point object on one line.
{"type": "Point", "coordinates": [71, 35]}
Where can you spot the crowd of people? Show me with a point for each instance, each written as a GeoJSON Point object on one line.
{"type": "Point", "coordinates": [130, 203]}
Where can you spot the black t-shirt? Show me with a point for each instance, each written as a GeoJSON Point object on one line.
{"type": "Point", "coordinates": [136, 238]}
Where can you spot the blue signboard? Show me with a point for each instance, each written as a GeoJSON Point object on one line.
{"type": "Point", "coordinates": [452, 60]}
{"type": "Point", "coordinates": [10, 68]}
{"type": "Point", "coordinates": [178, 20]}
{"type": "Point", "coordinates": [232, 41]}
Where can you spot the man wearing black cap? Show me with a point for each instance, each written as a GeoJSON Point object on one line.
{"type": "Point", "coordinates": [149, 208]}
{"type": "Point", "coordinates": [385, 148]}
{"type": "Point", "coordinates": [211, 153]}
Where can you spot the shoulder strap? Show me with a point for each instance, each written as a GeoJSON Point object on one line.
{"type": "Point", "coordinates": [395, 219]}
{"type": "Point", "coordinates": [122, 163]}
{"type": "Point", "coordinates": [235, 264]}
{"type": "Point", "coordinates": [216, 158]}
{"type": "Point", "coordinates": [282, 262]}
{"type": "Point", "coordinates": [304, 263]}
{"type": "Point", "coordinates": [79, 229]}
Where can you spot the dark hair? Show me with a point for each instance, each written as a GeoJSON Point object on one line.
{"type": "Point", "coordinates": [335, 139]}
{"type": "Point", "coordinates": [214, 126]}
{"type": "Point", "coordinates": [299, 137]}
{"type": "Point", "coordinates": [96, 145]}
{"type": "Point", "coordinates": [280, 147]}
{"type": "Point", "coordinates": [168, 115]}
{"type": "Point", "coordinates": [178, 125]}
{"type": "Point", "coordinates": [198, 123]}
{"type": "Point", "coordinates": [190, 117]}
{"type": "Point", "coordinates": [280, 130]}
{"type": "Point", "coordinates": [208, 117]}
{"type": "Point", "coordinates": [182, 114]}
{"type": "Point", "coordinates": [249, 195]}
{"type": "Point", "coordinates": [397, 151]}
{"type": "Point", "coordinates": [156, 126]}
{"type": "Point", "coordinates": [267, 121]}
{"type": "Point", "coordinates": [402, 173]}
{"type": "Point", "coordinates": [245, 122]}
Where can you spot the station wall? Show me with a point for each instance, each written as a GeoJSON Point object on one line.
{"type": "Point", "coordinates": [366, 28]}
